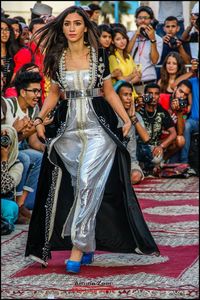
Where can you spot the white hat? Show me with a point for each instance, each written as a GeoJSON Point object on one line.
{"type": "Point", "coordinates": [41, 9]}
{"type": "Point", "coordinates": [195, 9]}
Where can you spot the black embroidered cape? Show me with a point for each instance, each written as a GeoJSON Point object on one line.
{"type": "Point", "coordinates": [120, 226]}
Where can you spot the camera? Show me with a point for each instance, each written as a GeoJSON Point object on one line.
{"type": "Point", "coordinates": [147, 98]}
{"type": "Point", "coordinates": [183, 103]}
{"type": "Point", "coordinates": [173, 42]}
{"type": "Point", "coordinates": [5, 141]}
{"type": "Point", "coordinates": [153, 23]}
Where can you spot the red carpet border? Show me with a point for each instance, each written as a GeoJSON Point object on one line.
{"type": "Point", "coordinates": [170, 207]}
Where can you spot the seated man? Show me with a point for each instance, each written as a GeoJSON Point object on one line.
{"type": "Point", "coordinates": [192, 123]}
{"type": "Point", "coordinates": [125, 91]}
{"type": "Point", "coordinates": [155, 119]}
{"type": "Point", "coordinates": [179, 107]}
{"type": "Point", "coordinates": [11, 173]}
{"type": "Point", "coordinates": [30, 148]}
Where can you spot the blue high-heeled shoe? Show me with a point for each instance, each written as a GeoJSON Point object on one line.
{"type": "Point", "coordinates": [87, 258]}
{"type": "Point", "coordinates": [73, 266]}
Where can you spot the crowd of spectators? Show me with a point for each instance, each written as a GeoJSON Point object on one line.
{"type": "Point", "coordinates": [148, 71]}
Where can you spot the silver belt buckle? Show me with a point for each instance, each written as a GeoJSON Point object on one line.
{"type": "Point", "coordinates": [81, 93]}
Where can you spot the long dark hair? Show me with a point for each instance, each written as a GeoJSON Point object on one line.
{"type": "Point", "coordinates": [11, 43]}
{"type": "Point", "coordinates": [165, 75]}
{"type": "Point", "coordinates": [124, 34]}
{"type": "Point", "coordinates": [54, 41]}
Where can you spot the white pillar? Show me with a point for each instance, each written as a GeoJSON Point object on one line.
{"type": "Point", "coordinates": [186, 13]}
{"type": "Point", "coordinates": [154, 6]}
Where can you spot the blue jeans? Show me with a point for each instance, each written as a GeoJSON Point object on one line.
{"type": "Point", "coordinates": [191, 126]}
{"type": "Point", "coordinates": [31, 159]}
{"type": "Point", "coordinates": [9, 210]}
{"type": "Point", "coordinates": [161, 33]}
{"type": "Point", "coordinates": [25, 160]}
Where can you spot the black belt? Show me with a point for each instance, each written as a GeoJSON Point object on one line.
{"type": "Point", "coordinates": [144, 82]}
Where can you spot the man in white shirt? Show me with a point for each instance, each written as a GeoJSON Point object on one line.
{"type": "Point", "coordinates": [145, 46]}
{"type": "Point", "coordinates": [30, 149]}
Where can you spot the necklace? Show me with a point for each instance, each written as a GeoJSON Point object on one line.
{"type": "Point", "coordinates": [62, 69]}
{"type": "Point", "coordinates": [151, 116]}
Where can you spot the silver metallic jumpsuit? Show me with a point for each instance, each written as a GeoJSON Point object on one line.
{"type": "Point", "coordinates": [88, 153]}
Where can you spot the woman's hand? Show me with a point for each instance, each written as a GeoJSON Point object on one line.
{"type": "Point", "coordinates": [48, 120]}
{"type": "Point", "coordinates": [126, 128]}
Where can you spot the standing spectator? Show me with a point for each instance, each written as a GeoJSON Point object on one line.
{"type": "Point", "coordinates": [146, 51]}
{"type": "Point", "coordinates": [173, 67]}
{"type": "Point", "coordinates": [170, 8]}
{"type": "Point", "coordinates": [171, 41]}
{"type": "Point", "coordinates": [11, 173]}
{"type": "Point", "coordinates": [40, 9]}
{"type": "Point", "coordinates": [96, 11]}
{"type": "Point", "coordinates": [191, 33]}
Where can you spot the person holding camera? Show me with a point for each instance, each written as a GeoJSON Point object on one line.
{"type": "Point", "coordinates": [169, 8]}
{"type": "Point", "coordinates": [191, 128]}
{"type": "Point", "coordinates": [155, 119]}
{"type": "Point", "coordinates": [179, 108]}
{"type": "Point", "coordinates": [172, 43]}
{"type": "Point", "coordinates": [11, 173]}
{"type": "Point", "coordinates": [191, 33]}
{"type": "Point", "coordinates": [145, 46]}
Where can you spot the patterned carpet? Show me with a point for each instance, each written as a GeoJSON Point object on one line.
{"type": "Point", "coordinates": [170, 207]}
